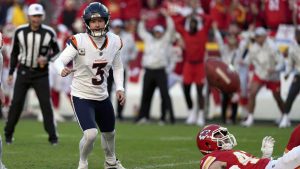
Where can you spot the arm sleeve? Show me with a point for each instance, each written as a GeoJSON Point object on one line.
{"type": "Point", "coordinates": [219, 40]}
{"type": "Point", "coordinates": [14, 54]}
{"type": "Point", "coordinates": [118, 72]}
{"type": "Point", "coordinates": [64, 58]}
{"type": "Point", "coordinates": [142, 32]}
{"type": "Point", "coordinates": [55, 48]}
{"type": "Point", "coordinates": [170, 27]}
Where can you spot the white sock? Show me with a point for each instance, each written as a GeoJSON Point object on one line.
{"type": "Point", "coordinates": [87, 143]}
{"type": "Point", "coordinates": [108, 145]}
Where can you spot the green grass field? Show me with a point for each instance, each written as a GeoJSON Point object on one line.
{"type": "Point", "coordinates": [138, 146]}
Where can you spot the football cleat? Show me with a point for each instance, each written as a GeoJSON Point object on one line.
{"type": "Point", "coordinates": [117, 165]}
{"type": "Point", "coordinates": [248, 122]}
{"type": "Point", "coordinates": [192, 117]}
{"type": "Point", "coordinates": [285, 122]}
{"type": "Point", "coordinates": [83, 165]}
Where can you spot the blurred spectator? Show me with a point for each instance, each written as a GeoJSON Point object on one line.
{"type": "Point", "coordinates": [267, 62]}
{"type": "Point", "coordinates": [219, 13]}
{"type": "Point", "coordinates": [128, 53]}
{"type": "Point", "coordinates": [68, 15]}
{"type": "Point", "coordinates": [293, 66]}
{"type": "Point", "coordinates": [277, 12]}
{"type": "Point", "coordinates": [230, 54]}
{"type": "Point", "coordinates": [131, 9]}
{"type": "Point", "coordinates": [174, 8]}
{"type": "Point", "coordinates": [114, 8]}
{"type": "Point", "coordinates": [194, 30]}
{"type": "Point", "coordinates": [78, 24]}
{"type": "Point", "coordinates": [237, 13]}
{"type": "Point", "coordinates": [16, 13]}
{"type": "Point", "coordinates": [155, 62]}
{"type": "Point", "coordinates": [255, 13]}
{"type": "Point", "coordinates": [295, 5]}
{"type": "Point", "coordinates": [151, 9]}
{"type": "Point", "coordinates": [192, 7]}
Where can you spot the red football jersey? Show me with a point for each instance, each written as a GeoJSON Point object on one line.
{"type": "Point", "coordinates": [234, 158]}
{"type": "Point", "coordinates": [294, 139]}
{"type": "Point", "coordinates": [277, 12]}
{"type": "Point", "coordinates": [297, 10]}
{"type": "Point", "coordinates": [195, 43]}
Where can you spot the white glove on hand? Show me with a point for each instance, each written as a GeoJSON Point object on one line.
{"type": "Point", "coordinates": [267, 147]}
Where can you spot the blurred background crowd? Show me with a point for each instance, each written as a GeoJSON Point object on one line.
{"type": "Point", "coordinates": [202, 28]}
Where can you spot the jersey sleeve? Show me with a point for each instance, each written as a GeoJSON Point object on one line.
{"type": "Point", "coordinates": [118, 72]}
{"type": "Point", "coordinates": [294, 140]}
{"type": "Point", "coordinates": [67, 55]}
{"type": "Point", "coordinates": [206, 162]}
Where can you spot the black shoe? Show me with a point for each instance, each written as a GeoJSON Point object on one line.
{"type": "Point", "coordinates": [53, 140]}
{"type": "Point", "coordinates": [8, 139]}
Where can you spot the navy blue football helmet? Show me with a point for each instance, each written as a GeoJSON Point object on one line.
{"type": "Point", "coordinates": [93, 10]}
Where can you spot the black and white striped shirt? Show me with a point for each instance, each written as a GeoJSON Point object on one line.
{"type": "Point", "coordinates": [28, 45]}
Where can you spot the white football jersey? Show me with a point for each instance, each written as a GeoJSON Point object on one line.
{"type": "Point", "coordinates": [265, 57]}
{"type": "Point", "coordinates": [92, 60]}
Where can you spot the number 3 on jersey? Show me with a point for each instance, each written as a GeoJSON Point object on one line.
{"type": "Point", "coordinates": [100, 72]}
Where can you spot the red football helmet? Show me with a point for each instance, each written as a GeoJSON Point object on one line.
{"type": "Point", "coordinates": [215, 137]}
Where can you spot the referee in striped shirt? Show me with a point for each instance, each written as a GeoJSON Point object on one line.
{"type": "Point", "coordinates": [33, 46]}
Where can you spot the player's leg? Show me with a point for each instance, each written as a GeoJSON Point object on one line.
{"type": "Point", "coordinates": [200, 99]}
{"type": "Point", "coordinates": [85, 112]}
{"type": "Point", "coordinates": [225, 100]}
{"type": "Point", "coordinates": [254, 88]}
{"type": "Point", "coordinates": [105, 119]}
{"type": "Point", "coordinates": [162, 82]}
{"type": "Point", "coordinates": [149, 86]}
{"type": "Point", "coordinates": [20, 90]}
{"type": "Point", "coordinates": [293, 92]}
{"type": "Point", "coordinates": [289, 160]}
{"type": "Point", "coordinates": [187, 84]}
{"type": "Point", "coordinates": [42, 90]}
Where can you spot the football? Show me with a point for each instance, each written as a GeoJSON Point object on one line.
{"type": "Point", "coordinates": [221, 76]}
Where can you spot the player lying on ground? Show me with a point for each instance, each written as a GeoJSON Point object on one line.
{"type": "Point", "coordinates": [216, 143]}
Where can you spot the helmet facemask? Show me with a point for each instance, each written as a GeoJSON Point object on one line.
{"type": "Point", "coordinates": [224, 140]}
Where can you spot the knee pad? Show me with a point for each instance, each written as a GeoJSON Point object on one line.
{"type": "Point", "coordinates": [90, 134]}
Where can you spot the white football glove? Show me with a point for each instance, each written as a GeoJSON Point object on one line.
{"type": "Point", "coordinates": [267, 147]}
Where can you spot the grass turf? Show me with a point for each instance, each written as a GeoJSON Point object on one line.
{"type": "Point", "coordinates": [138, 146]}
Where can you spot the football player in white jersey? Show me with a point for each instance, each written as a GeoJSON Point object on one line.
{"type": "Point", "coordinates": [93, 53]}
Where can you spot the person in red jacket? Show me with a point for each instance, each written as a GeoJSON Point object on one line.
{"type": "Point", "coordinates": [194, 31]}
